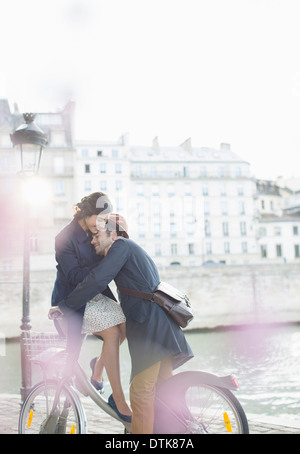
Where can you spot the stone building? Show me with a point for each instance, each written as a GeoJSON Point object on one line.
{"type": "Point", "coordinates": [185, 205]}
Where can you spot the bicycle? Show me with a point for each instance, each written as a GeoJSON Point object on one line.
{"type": "Point", "coordinates": [191, 402]}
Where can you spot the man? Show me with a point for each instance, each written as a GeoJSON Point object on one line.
{"type": "Point", "coordinates": [156, 344]}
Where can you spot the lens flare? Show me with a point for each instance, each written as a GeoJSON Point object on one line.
{"type": "Point", "coordinates": [36, 191]}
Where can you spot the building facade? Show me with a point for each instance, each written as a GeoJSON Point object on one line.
{"type": "Point", "coordinates": [187, 206]}
{"type": "Point", "coordinates": [278, 222]}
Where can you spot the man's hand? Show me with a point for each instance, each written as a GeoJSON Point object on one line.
{"type": "Point", "coordinates": [54, 313]}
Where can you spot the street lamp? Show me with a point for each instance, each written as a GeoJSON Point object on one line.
{"type": "Point", "coordinates": [30, 141]}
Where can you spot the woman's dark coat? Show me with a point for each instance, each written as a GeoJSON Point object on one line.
{"type": "Point", "coordinates": [75, 257]}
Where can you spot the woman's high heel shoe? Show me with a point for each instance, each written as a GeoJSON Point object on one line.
{"type": "Point", "coordinates": [112, 403]}
{"type": "Point", "coordinates": [97, 384]}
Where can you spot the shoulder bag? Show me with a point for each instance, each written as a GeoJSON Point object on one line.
{"type": "Point", "coordinates": [173, 301]}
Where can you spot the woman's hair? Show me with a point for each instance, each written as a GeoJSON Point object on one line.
{"type": "Point", "coordinates": [95, 203]}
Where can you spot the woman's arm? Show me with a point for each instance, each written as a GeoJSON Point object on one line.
{"type": "Point", "coordinates": [67, 259]}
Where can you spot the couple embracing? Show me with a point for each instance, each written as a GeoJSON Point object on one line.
{"type": "Point", "coordinates": [93, 250]}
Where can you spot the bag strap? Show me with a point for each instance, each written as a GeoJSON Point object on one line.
{"type": "Point", "coordinates": [136, 293]}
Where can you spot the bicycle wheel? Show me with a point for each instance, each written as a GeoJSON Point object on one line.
{"type": "Point", "coordinates": [37, 417]}
{"type": "Point", "coordinates": [187, 405]}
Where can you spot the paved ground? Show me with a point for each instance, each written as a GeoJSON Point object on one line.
{"type": "Point", "coordinates": [100, 423]}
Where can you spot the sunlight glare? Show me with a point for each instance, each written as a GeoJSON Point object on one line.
{"type": "Point", "coordinates": [36, 191]}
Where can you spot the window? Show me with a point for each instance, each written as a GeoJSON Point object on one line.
{"type": "Point", "coordinates": [187, 189]}
{"type": "Point", "coordinates": [59, 164]}
{"type": "Point", "coordinates": [277, 231]}
{"type": "Point", "coordinates": [225, 229]}
{"type": "Point", "coordinates": [263, 250]}
{"type": "Point", "coordinates": [157, 249]}
{"type": "Point", "coordinates": [240, 190]}
{"type": "Point", "coordinates": [227, 247]}
{"type": "Point", "coordinates": [87, 168]}
{"type": "Point", "coordinates": [102, 167]}
{"type": "Point", "coordinates": [224, 208]}
{"type": "Point", "coordinates": [59, 188]}
{"type": "Point", "coordinates": [191, 249]}
{"type": "Point", "coordinates": [208, 248]}
{"type": "Point", "coordinates": [221, 172]}
{"type": "Point", "coordinates": [186, 171]}
{"type": "Point", "coordinates": [190, 228]}
{"type": "Point", "coordinates": [244, 247]}
{"type": "Point", "coordinates": [243, 228]}
{"type": "Point", "coordinates": [87, 185]}
{"type": "Point", "coordinates": [156, 227]}
{"type": "Point", "coordinates": [140, 209]}
{"type": "Point", "coordinates": [295, 230]}
{"type": "Point", "coordinates": [153, 172]}
{"type": "Point", "coordinates": [58, 139]}
{"type": "Point", "coordinates": [278, 250]}
{"type": "Point", "coordinates": [155, 189]}
{"type": "Point", "coordinates": [115, 153]}
{"type": "Point", "coordinates": [173, 229]}
{"type": "Point", "coordinates": [171, 189]}
{"type": "Point", "coordinates": [103, 185]}
{"type": "Point", "coordinates": [202, 171]}
{"type": "Point", "coordinates": [241, 207]}
{"type": "Point", "coordinates": [297, 250]}
{"type": "Point", "coordinates": [119, 204]}
{"type": "Point", "coordinates": [99, 153]}
{"type": "Point", "coordinates": [118, 185]}
{"type": "Point", "coordinates": [156, 209]}
{"type": "Point", "coordinates": [118, 168]}
{"type": "Point", "coordinates": [262, 231]}
{"type": "Point", "coordinates": [138, 171]}
{"type": "Point", "coordinates": [238, 171]}
{"type": "Point", "coordinates": [204, 189]}
{"type": "Point", "coordinates": [140, 189]}
{"type": "Point", "coordinates": [223, 190]}
{"type": "Point", "coordinates": [173, 249]}
{"type": "Point", "coordinates": [207, 228]}
{"type": "Point", "coordinates": [141, 230]}
{"type": "Point", "coordinates": [84, 153]}
{"type": "Point", "coordinates": [206, 208]}
{"type": "Point", "coordinates": [4, 163]}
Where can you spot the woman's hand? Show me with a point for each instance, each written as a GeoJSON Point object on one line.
{"type": "Point", "coordinates": [54, 313]}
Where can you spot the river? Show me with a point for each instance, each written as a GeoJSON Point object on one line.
{"type": "Point", "coordinates": [265, 361]}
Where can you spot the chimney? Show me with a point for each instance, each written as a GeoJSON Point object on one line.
{"type": "Point", "coordinates": [155, 144]}
{"type": "Point", "coordinates": [225, 146]}
{"type": "Point", "coordinates": [187, 144]}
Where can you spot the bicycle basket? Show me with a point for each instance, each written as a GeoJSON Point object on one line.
{"type": "Point", "coordinates": [44, 348]}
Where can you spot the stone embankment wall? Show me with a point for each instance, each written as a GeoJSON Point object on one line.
{"type": "Point", "coordinates": [220, 296]}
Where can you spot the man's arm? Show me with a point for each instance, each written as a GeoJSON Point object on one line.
{"type": "Point", "coordinates": [98, 279]}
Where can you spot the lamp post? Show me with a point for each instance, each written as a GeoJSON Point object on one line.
{"type": "Point", "coordinates": [30, 141]}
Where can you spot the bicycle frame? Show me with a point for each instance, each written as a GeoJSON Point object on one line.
{"type": "Point", "coordinates": [75, 379]}
{"type": "Point", "coordinates": [87, 389]}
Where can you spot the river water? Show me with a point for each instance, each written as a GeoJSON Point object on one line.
{"type": "Point", "coordinates": [265, 361]}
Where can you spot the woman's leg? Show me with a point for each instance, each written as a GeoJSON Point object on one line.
{"type": "Point", "coordinates": [99, 365]}
{"type": "Point", "coordinates": [110, 359]}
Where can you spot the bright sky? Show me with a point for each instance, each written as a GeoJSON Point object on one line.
{"type": "Point", "coordinates": [213, 70]}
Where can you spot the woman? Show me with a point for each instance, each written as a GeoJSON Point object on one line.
{"type": "Point", "coordinates": [101, 316]}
